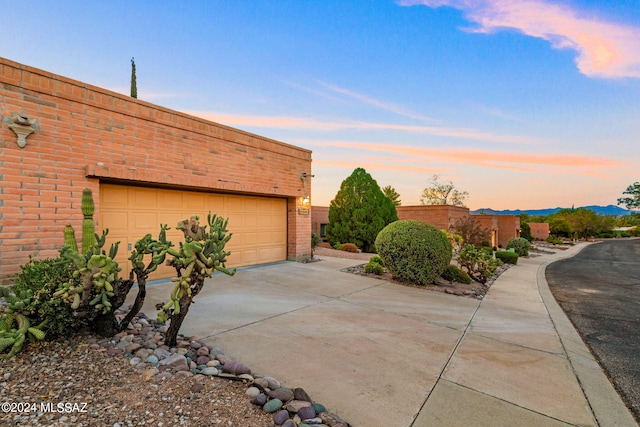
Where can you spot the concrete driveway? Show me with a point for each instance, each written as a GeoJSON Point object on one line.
{"type": "Point", "coordinates": [381, 354]}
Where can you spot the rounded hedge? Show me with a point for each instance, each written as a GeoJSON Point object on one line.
{"type": "Point", "coordinates": [414, 251]}
{"type": "Point", "coordinates": [520, 245]}
{"type": "Point", "coordinates": [507, 257]}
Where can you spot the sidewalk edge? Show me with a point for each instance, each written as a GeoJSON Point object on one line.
{"type": "Point", "coordinates": [605, 402]}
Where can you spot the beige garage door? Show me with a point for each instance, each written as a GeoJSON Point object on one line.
{"type": "Point", "coordinates": [258, 224]}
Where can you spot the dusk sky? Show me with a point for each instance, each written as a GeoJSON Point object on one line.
{"type": "Point", "coordinates": [523, 103]}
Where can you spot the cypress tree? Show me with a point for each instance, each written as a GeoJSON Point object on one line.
{"type": "Point", "coordinates": [134, 86]}
{"type": "Point", "coordinates": [359, 211]}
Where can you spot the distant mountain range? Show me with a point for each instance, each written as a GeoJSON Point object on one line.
{"type": "Point", "coordinates": [612, 210]}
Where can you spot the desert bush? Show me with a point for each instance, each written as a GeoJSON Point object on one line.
{"type": "Point", "coordinates": [349, 247]}
{"type": "Point", "coordinates": [414, 251]}
{"type": "Point", "coordinates": [315, 241]}
{"type": "Point", "coordinates": [478, 263]}
{"type": "Point", "coordinates": [507, 257]}
{"type": "Point", "coordinates": [453, 273]}
{"type": "Point", "coordinates": [41, 279]}
{"type": "Point", "coordinates": [377, 260]}
{"type": "Point", "coordinates": [471, 231]}
{"type": "Point", "coordinates": [520, 244]}
{"type": "Point", "coordinates": [554, 240]}
{"type": "Point", "coordinates": [336, 246]}
{"type": "Point", "coordinates": [373, 267]}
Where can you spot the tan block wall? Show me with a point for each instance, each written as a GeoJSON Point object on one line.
{"type": "Point", "coordinates": [88, 134]}
{"type": "Point", "coordinates": [540, 230]}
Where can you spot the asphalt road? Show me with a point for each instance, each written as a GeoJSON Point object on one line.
{"type": "Point", "coordinates": [599, 290]}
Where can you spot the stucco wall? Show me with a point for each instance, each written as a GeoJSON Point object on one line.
{"type": "Point", "coordinates": [86, 134]}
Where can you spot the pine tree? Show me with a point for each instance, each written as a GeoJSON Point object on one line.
{"type": "Point", "coordinates": [134, 86]}
{"type": "Point", "coordinates": [359, 211]}
{"type": "Point", "coordinates": [392, 194]}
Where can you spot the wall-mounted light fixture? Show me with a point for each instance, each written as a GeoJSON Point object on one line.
{"type": "Point", "coordinates": [304, 176]}
{"type": "Point", "coordinates": [306, 200]}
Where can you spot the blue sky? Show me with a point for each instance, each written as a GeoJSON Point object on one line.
{"type": "Point", "coordinates": [523, 103]}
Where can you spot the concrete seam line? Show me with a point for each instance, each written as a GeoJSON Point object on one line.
{"type": "Point", "coordinates": [444, 368]}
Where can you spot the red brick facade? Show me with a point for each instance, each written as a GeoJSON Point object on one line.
{"type": "Point", "coordinates": [539, 230]}
{"type": "Point", "coordinates": [319, 218]}
{"type": "Point", "coordinates": [440, 216]}
{"type": "Point", "coordinates": [86, 135]}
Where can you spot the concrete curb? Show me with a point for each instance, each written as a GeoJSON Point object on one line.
{"type": "Point", "coordinates": [607, 406]}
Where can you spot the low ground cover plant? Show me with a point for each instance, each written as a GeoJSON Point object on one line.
{"type": "Point", "coordinates": [349, 247]}
{"type": "Point", "coordinates": [507, 257]}
{"type": "Point", "coordinates": [453, 273]}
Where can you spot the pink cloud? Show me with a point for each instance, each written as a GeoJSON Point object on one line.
{"type": "Point", "coordinates": [605, 49]}
{"type": "Point", "coordinates": [287, 122]}
{"type": "Point", "coordinates": [527, 162]}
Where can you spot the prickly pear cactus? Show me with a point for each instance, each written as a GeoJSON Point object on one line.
{"type": "Point", "coordinates": [88, 226]}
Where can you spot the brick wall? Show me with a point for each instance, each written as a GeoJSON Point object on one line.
{"type": "Point", "coordinates": [539, 230]}
{"type": "Point", "coordinates": [490, 223]}
{"type": "Point", "coordinates": [319, 216]}
{"type": "Point", "coordinates": [440, 216]}
{"type": "Point", "coordinates": [509, 226]}
{"type": "Point", "coordinates": [88, 134]}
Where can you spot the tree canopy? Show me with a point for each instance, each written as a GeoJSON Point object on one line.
{"type": "Point", "coordinates": [443, 193]}
{"type": "Point", "coordinates": [359, 211]}
{"type": "Point", "coordinates": [392, 194]}
{"type": "Point", "coordinates": [632, 202]}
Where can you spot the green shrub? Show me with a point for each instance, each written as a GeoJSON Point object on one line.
{"type": "Point", "coordinates": [373, 267]}
{"type": "Point", "coordinates": [488, 250]}
{"type": "Point", "coordinates": [43, 278]}
{"type": "Point", "coordinates": [414, 251]}
{"type": "Point", "coordinates": [478, 263]}
{"type": "Point", "coordinates": [349, 247]}
{"type": "Point", "coordinates": [507, 257]}
{"type": "Point", "coordinates": [336, 246]}
{"type": "Point", "coordinates": [454, 274]}
{"type": "Point", "coordinates": [359, 211]}
{"type": "Point", "coordinates": [554, 240]}
{"type": "Point", "coordinates": [377, 260]}
{"type": "Point", "coordinates": [520, 244]}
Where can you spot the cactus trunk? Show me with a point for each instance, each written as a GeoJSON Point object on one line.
{"type": "Point", "coordinates": [70, 238]}
{"type": "Point", "coordinates": [88, 226]}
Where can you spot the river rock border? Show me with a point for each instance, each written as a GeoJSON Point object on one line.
{"type": "Point", "coordinates": [143, 343]}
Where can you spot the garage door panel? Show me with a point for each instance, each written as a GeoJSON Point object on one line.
{"type": "Point", "coordinates": [194, 201]}
{"type": "Point", "coordinates": [118, 222]}
{"type": "Point", "coordinates": [169, 198]}
{"type": "Point", "coordinates": [232, 204]}
{"type": "Point", "coordinates": [115, 198]}
{"type": "Point", "coordinates": [258, 224]}
{"type": "Point", "coordinates": [146, 222]}
{"type": "Point", "coordinates": [146, 197]}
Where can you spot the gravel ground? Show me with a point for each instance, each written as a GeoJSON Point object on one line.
{"type": "Point", "coordinates": [66, 383]}
{"type": "Point", "coordinates": [69, 383]}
